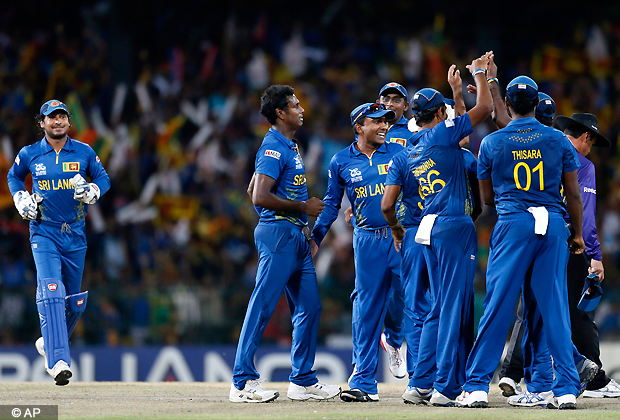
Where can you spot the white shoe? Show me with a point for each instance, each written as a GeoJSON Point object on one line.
{"type": "Point", "coordinates": [60, 372]}
{"type": "Point", "coordinates": [563, 402]}
{"type": "Point", "coordinates": [509, 387]}
{"type": "Point", "coordinates": [253, 392]}
{"type": "Point", "coordinates": [398, 366]}
{"type": "Point", "coordinates": [474, 399]}
{"type": "Point", "coordinates": [611, 390]}
{"type": "Point", "coordinates": [317, 391]}
{"type": "Point", "coordinates": [415, 395]}
{"type": "Point", "coordinates": [39, 344]}
{"type": "Point", "coordinates": [352, 374]}
{"type": "Point", "coordinates": [440, 400]}
{"type": "Point", "coordinates": [531, 399]}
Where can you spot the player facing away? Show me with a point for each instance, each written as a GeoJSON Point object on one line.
{"type": "Point", "coordinates": [449, 237]}
{"type": "Point", "coordinates": [57, 209]}
{"type": "Point", "coordinates": [284, 256]}
{"type": "Point", "coordinates": [360, 171]}
{"type": "Point", "coordinates": [522, 168]}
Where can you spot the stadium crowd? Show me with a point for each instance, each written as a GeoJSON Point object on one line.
{"type": "Point", "coordinates": [175, 120]}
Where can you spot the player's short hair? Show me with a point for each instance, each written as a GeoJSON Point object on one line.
{"type": "Point", "coordinates": [548, 121]}
{"type": "Point", "coordinates": [427, 115]}
{"type": "Point", "coordinates": [275, 97]}
{"type": "Point", "coordinates": [522, 102]}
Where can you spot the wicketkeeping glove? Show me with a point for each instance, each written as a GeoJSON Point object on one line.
{"type": "Point", "coordinates": [26, 204]}
{"type": "Point", "coordinates": [85, 192]}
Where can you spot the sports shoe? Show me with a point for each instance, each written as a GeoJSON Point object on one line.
{"type": "Point", "coordinates": [357, 395]}
{"type": "Point", "coordinates": [415, 395]}
{"type": "Point", "coordinates": [563, 402]}
{"type": "Point", "coordinates": [531, 399]}
{"type": "Point", "coordinates": [587, 371]}
{"type": "Point", "coordinates": [440, 400]}
{"type": "Point", "coordinates": [474, 399]}
{"type": "Point", "coordinates": [61, 373]}
{"type": "Point", "coordinates": [398, 367]}
{"type": "Point", "coordinates": [317, 391]}
{"type": "Point", "coordinates": [611, 390]}
{"type": "Point", "coordinates": [352, 375]}
{"type": "Point", "coordinates": [253, 392]}
{"type": "Point", "coordinates": [39, 344]}
{"type": "Point", "coordinates": [509, 387]}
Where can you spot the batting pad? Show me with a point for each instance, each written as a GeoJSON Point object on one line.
{"type": "Point", "coordinates": [51, 306]}
{"type": "Point", "coordinates": [75, 306]}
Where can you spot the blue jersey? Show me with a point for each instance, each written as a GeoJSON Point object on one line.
{"type": "Point", "coordinates": [279, 158]}
{"type": "Point", "coordinates": [399, 133]}
{"type": "Point", "coordinates": [51, 173]}
{"type": "Point", "coordinates": [438, 167]}
{"type": "Point", "coordinates": [363, 178]}
{"type": "Point", "coordinates": [525, 161]}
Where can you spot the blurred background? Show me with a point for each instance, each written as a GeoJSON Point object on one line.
{"type": "Point", "coordinates": [167, 93]}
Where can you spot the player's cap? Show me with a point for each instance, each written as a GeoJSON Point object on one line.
{"type": "Point", "coordinates": [591, 294]}
{"type": "Point", "coordinates": [51, 106]}
{"type": "Point", "coordinates": [581, 122]}
{"type": "Point", "coordinates": [546, 105]}
{"type": "Point", "coordinates": [394, 87]}
{"type": "Point", "coordinates": [372, 111]}
{"type": "Point", "coordinates": [522, 84]}
{"type": "Point", "coordinates": [427, 98]}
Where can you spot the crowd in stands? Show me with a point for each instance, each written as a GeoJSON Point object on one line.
{"type": "Point", "coordinates": [169, 99]}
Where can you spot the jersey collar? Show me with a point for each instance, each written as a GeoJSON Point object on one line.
{"type": "Point", "coordinates": [279, 136]}
{"type": "Point", "coordinates": [353, 150]}
{"type": "Point", "coordinates": [46, 148]}
{"type": "Point", "coordinates": [523, 121]}
{"type": "Point", "coordinates": [402, 123]}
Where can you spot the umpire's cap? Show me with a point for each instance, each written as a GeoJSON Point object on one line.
{"type": "Point", "coordinates": [581, 122]}
{"type": "Point", "coordinates": [51, 106]}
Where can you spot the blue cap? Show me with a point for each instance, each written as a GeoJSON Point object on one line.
{"type": "Point", "coordinates": [394, 86]}
{"type": "Point", "coordinates": [371, 110]}
{"type": "Point", "coordinates": [425, 99]}
{"type": "Point", "coordinates": [589, 300]}
{"type": "Point", "coordinates": [522, 84]}
{"type": "Point", "coordinates": [51, 106]}
{"type": "Point", "coordinates": [546, 105]}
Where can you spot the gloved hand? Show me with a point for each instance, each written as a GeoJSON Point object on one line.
{"type": "Point", "coordinates": [26, 204]}
{"type": "Point", "coordinates": [85, 192]}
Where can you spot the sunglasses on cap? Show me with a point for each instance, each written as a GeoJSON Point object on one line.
{"type": "Point", "coordinates": [368, 110]}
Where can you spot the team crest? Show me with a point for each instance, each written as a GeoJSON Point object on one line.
{"type": "Point", "coordinates": [71, 166]}
{"type": "Point", "coordinates": [402, 142]}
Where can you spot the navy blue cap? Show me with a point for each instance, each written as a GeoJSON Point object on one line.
{"type": "Point", "coordinates": [589, 300]}
{"type": "Point", "coordinates": [522, 84]}
{"type": "Point", "coordinates": [394, 86]}
{"type": "Point", "coordinates": [546, 105]}
{"type": "Point", "coordinates": [371, 110]}
{"type": "Point", "coordinates": [427, 98]}
{"type": "Point", "coordinates": [51, 106]}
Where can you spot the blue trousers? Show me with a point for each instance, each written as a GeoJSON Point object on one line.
{"type": "Point", "coordinates": [447, 335]}
{"type": "Point", "coordinates": [59, 254]}
{"type": "Point", "coordinates": [284, 264]}
{"type": "Point", "coordinates": [394, 322]}
{"type": "Point", "coordinates": [377, 267]}
{"type": "Point", "coordinates": [514, 249]}
{"type": "Point", "coordinates": [416, 290]}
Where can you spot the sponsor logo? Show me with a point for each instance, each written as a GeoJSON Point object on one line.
{"type": "Point", "coordinates": [97, 159]}
{"type": "Point", "coordinates": [402, 142]}
{"type": "Point", "coordinates": [589, 190]}
{"type": "Point", "coordinates": [450, 123]}
{"type": "Point", "coordinates": [298, 163]}
{"type": "Point", "coordinates": [35, 245]}
{"type": "Point", "coordinates": [273, 154]}
{"type": "Point", "coordinates": [383, 169]}
{"type": "Point", "coordinates": [17, 159]}
{"type": "Point", "coordinates": [71, 166]}
{"type": "Point", "coordinates": [80, 302]}
{"type": "Point", "coordinates": [52, 287]}
{"type": "Point", "coordinates": [356, 175]}
{"type": "Point", "coordinates": [40, 169]}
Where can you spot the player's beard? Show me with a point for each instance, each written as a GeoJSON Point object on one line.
{"type": "Point", "coordinates": [50, 134]}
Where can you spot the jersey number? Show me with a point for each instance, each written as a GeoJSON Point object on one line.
{"type": "Point", "coordinates": [528, 176]}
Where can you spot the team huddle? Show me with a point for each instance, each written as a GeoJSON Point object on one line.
{"type": "Point", "coordinates": [415, 192]}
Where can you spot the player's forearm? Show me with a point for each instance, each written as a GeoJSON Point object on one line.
{"type": "Point", "coordinates": [500, 113]}
{"type": "Point", "coordinates": [15, 184]}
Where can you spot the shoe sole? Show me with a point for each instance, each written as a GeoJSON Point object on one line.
{"type": "Point", "coordinates": [63, 377]}
{"type": "Point", "coordinates": [408, 399]}
{"type": "Point", "coordinates": [565, 406]}
{"type": "Point", "coordinates": [248, 400]}
{"type": "Point", "coordinates": [383, 346]}
{"type": "Point", "coordinates": [507, 390]}
{"type": "Point", "coordinates": [311, 397]}
{"type": "Point", "coordinates": [475, 404]}
{"type": "Point", "coordinates": [542, 404]}
{"type": "Point", "coordinates": [347, 398]}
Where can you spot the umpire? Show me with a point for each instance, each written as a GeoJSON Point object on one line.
{"type": "Point", "coordinates": [583, 132]}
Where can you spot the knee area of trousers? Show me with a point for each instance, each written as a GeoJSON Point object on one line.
{"type": "Point", "coordinates": [76, 303]}
{"type": "Point", "coordinates": [50, 288]}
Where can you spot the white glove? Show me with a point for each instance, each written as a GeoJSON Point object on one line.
{"type": "Point", "coordinates": [85, 192]}
{"type": "Point", "coordinates": [26, 204]}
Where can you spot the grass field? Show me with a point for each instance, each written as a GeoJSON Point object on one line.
{"type": "Point", "coordinates": [174, 400]}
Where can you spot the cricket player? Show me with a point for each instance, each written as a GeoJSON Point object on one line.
{"type": "Point", "coordinates": [280, 193]}
{"type": "Point", "coordinates": [449, 237]}
{"type": "Point", "coordinates": [361, 170]}
{"type": "Point", "coordinates": [521, 170]}
{"type": "Point", "coordinates": [57, 209]}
